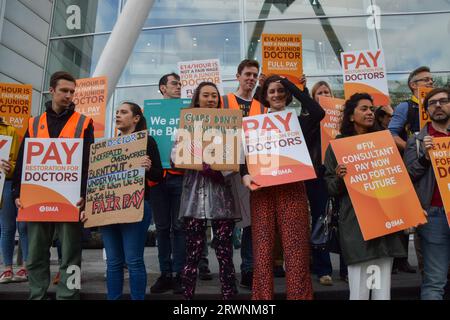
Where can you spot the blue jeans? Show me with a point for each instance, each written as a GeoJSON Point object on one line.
{"type": "Point", "coordinates": [170, 236]}
{"type": "Point", "coordinates": [124, 244]}
{"type": "Point", "coordinates": [8, 216]}
{"type": "Point", "coordinates": [318, 196]}
{"type": "Point", "coordinates": [246, 250]}
{"type": "Point", "coordinates": [435, 244]}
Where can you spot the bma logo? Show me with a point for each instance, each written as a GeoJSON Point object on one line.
{"type": "Point", "coordinates": [73, 22]}
{"type": "Point", "coordinates": [374, 279]}
{"type": "Point", "coordinates": [74, 280]}
{"type": "Point", "coordinates": [374, 22]}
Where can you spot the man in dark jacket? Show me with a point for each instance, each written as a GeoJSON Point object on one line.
{"type": "Point", "coordinates": [60, 114]}
{"type": "Point", "coordinates": [435, 235]}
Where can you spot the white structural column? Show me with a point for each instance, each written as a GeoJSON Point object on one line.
{"type": "Point", "coordinates": [122, 41]}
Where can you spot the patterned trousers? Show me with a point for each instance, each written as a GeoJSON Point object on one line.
{"type": "Point", "coordinates": [222, 243]}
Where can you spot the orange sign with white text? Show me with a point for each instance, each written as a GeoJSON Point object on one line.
{"type": "Point", "coordinates": [424, 117]}
{"type": "Point", "coordinates": [440, 158]}
{"type": "Point", "coordinates": [365, 71]}
{"type": "Point", "coordinates": [379, 186]}
{"type": "Point", "coordinates": [15, 106]}
{"type": "Point", "coordinates": [90, 100]}
{"type": "Point", "coordinates": [330, 124]}
{"type": "Point", "coordinates": [282, 54]}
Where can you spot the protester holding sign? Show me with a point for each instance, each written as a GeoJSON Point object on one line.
{"type": "Point", "coordinates": [361, 256]}
{"type": "Point", "coordinates": [243, 99]}
{"type": "Point", "coordinates": [405, 122]}
{"type": "Point", "coordinates": [285, 206]}
{"type": "Point", "coordinates": [206, 196]}
{"type": "Point", "coordinates": [125, 242]}
{"type": "Point", "coordinates": [8, 212]}
{"type": "Point", "coordinates": [435, 235]}
{"type": "Point", "coordinates": [170, 236]}
{"type": "Point", "coordinates": [59, 121]}
{"type": "Point", "coordinates": [318, 194]}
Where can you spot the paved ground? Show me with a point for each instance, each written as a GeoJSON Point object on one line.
{"type": "Point", "coordinates": [93, 286]}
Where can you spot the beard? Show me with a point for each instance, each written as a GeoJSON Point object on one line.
{"type": "Point", "coordinates": [442, 118]}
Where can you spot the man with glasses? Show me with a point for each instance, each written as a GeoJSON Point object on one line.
{"type": "Point", "coordinates": [405, 123]}
{"type": "Point", "coordinates": [405, 120]}
{"type": "Point", "coordinates": [435, 235]}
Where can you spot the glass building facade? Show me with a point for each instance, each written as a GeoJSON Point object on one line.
{"type": "Point", "coordinates": [411, 33]}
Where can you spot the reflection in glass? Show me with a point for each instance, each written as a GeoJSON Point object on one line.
{"type": "Point", "coordinates": [388, 6]}
{"type": "Point", "coordinates": [81, 16]}
{"type": "Point", "coordinates": [321, 48]}
{"type": "Point", "coordinates": [404, 37]}
{"type": "Point", "coordinates": [158, 52]}
{"type": "Point", "coordinates": [263, 9]}
{"type": "Point", "coordinates": [78, 56]}
{"type": "Point", "coordinates": [176, 12]}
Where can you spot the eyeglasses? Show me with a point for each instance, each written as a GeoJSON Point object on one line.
{"type": "Point", "coordinates": [427, 79]}
{"type": "Point", "coordinates": [442, 102]}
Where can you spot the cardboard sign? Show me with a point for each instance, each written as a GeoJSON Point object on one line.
{"type": "Point", "coordinates": [365, 71]}
{"type": "Point", "coordinates": [330, 124]}
{"type": "Point", "coordinates": [211, 136]}
{"type": "Point", "coordinates": [5, 148]}
{"type": "Point", "coordinates": [15, 106]}
{"type": "Point", "coordinates": [440, 158]}
{"type": "Point", "coordinates": [192, 73]}
{"type": "Point", "coordinates": [282, 54]}
{"type": "Point", "coordinates": [275, 149]}
{"type": "Point", "coordinates": [163, 120]}
{"type": "Point", "coordinates": [378, 183]}
{"type": "Point", "coordinates": [424, 117]}
{"type": "Point", "coordinates": [90, 100]}
{"type": "Point", "coordinates": [51, 180]}
{"type": "Point", "coordinates": [116, 180]}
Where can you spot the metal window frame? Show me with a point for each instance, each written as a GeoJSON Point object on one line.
{"type": "Point", "coordinates": [2, 16]}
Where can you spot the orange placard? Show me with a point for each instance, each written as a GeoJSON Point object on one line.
{"type": "Point", "coordinates": [379, 186]}
{"type": "Point", "coordinates": [90, 100]}
{"type": "Point", "coordinates": [424, 117]}
{"type": "Point", "coordinates": [329, 126]}
{"type": "Point", "coordinates": [440, 158]}
{"type": "Point", "coordinates": [15, 106]}
{"type": "Point", "coordinates": [282, 54]}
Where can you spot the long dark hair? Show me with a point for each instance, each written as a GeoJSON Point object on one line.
{"type": "Point", "coordinates": [195, 103]}
{"type": "Point", "coordinates": [347, 126]}
{"type": "Point", "coordinates": [137, 111]}
{"type": "Point", "coordinates": [267, 82]}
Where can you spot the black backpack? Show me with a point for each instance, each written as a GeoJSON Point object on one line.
{"type": "Point", "coordinates": [412, 124]}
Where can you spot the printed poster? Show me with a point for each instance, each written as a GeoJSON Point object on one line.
{"type": "Point", "coordinates": [331, 123]}
{"type": "Point", "coordinates": [15, 106]}
{"type": "Point", "coordinates": [90, 100]}
{"type": "Point", "coordinates": [440, 159]}
{"type": "Point", "coordinates": [282, 55]}
{"type": "Point", "coordinates": [424, 117]}
{"type": "Point", "coordinates": [276, 150]}
{"type": "Point", "coordinates": [51, 180]}
{"type": "Point", "coordinates": [163, 120]}
{"type": "Point", "coordinates": [5, 148]}
{"type": "Point", "coordinates": [116, 180]}
{"type": "Point", "coordinates": [379, 186]}
{"type": "Point", "coordinates": [192, 73]}
{"type": "Point", "coordinates": [365, 71]}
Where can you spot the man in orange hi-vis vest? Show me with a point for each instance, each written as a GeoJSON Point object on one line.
{"type": "Point", "coordinates": [243, 99]}
{"type": "Point", "coordinates": [60, 120]}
